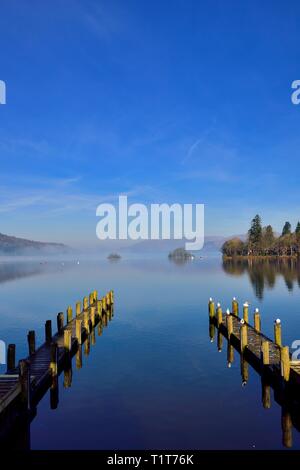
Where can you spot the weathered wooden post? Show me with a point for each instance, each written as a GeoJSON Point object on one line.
{"type": "Point", "coordinates": [87, 346]}
{"type": "Point", "coordinates": [229, 323]}
{"type": "Point", "coordinates": [219, 314]}
{"type": "Point", "coordinates": [78, 330]}
{"type": "Point", "coordinates": [69, 314]}
{"type": "Point", "coordinates": [60, 322]}
{"type": "Point", "coordinates": [24, 377]}
{"type": "Point", "coordinates": [105, 322]}
{"type": "Point", "coordinates": [257, 321]}
{"type": "Point", "coordinates": [11, 357]}
{"type": "Point", "coordinates": [85, 303]}
{"type": "Point", "coordinates": [243, 335]}
{"type": "Point", "coordinates": [53, 362]}
{"type": "Point", "coordinates": [100, 329]}
{"type": "Point", "coordinates": [211, 308]}
{"type": "Point", "coordinates": [108, 299]}
{"type": "Point", "coordinates": [67, 340]}
{"type": "Point", "coordinates": [104, 303]}
{"type": "Point", "coordinates": [277, 332]}
{"type": "Point", "coordinates": [285, 362]}
{"type": "Point", "coordinates": [112, 297]}
{"type": "Point", "coordinates": [91, 299]}
{"type": "Point", "coordinates": [78, 308]}
{"type": "Point", "coordinates": [95, 293]}
{"type": "Point", "coordinates": [48, 331]}
{"type": "Point", "coordinates": [235, 307]}
{"type": "Point", "coordinates": [31, 342]}
{"type": "Point", "coordinates": [68, 377]}
{"type": "Point", "coordinates": [246, 312]}
{"type": "Point", "coordinates": [265, 350]}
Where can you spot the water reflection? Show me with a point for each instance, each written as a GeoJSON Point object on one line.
{"type": "Point", "coordinates": [263, 273]}
{"type": "Point", "coordinates": [285, 394]}
{"type": "Point", "coordinates": [19, 436]}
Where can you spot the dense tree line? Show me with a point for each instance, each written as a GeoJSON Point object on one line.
{"type": "Point", "coordinates": [262, 241]}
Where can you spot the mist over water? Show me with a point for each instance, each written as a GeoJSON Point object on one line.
{"type": "Point", "coordinates": [152, 379]}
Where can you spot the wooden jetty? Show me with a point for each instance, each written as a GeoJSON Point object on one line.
{"type": "Point", "coordinates": [269, 358]}
{"type": "Point", "coordinates": [24, 384]}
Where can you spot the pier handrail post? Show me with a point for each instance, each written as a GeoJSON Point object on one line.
{"type": "Point", "coordinates": [211, 308]}
{"type": "Point", "coordinates": [24, 377]}
{"type": "Point", "coordinates": [246, 312]}
{"type": "Point", "coordinates": [85, 303]}
{"type": "Point", "coordinates": [265, 351]}
{"type": "Point", "coordinates": [48, 331]}
{"type": "Point", "coordinates": [257, 321]}
{"type": "Point", "coordinates": [78, 330]}
{"type": "Point", "coordinates": [69, 314]}
{"type": "Point", "coordinates": [219, 314]}
{"type": "Point", "coordinates": [31, 342]}
{"type": "Point", "coordinates": [235, 307]}
{"type": "Point", "coordinates": [229, 324]}
{"type": "Point", "coordinates": [285, 362]}
{"type": "Point", "coordinates": [78, 308]}
{"type": "Point", "coordinates": [243, 335]}
{"type": "Point", "coordinates": [53, 359]}
{"type": "Point", "coordinates": [11, 357]}
{"type": "Point", "coordinates": [60, 322]}
{"type": "Point", "coordinates": [277, 332]}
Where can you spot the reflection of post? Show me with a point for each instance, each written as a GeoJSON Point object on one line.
{"type": "Point", "coordinates": [79, 357]}
{"type": "Point", "coordinates": [212, 331]}
{"type": "Point", "coordinates": [68, 376]}
{"type": "Point", "coordinates": [100, 327]}
{"type": "Point", "coordinates": [230, 354]}
{"type": "Point", "coordinates": [244, 370]}
{"type": "Point", "coordinates": [54, 396]}
{"type": "Point", "coordinates": [220, 341]}
{"type": "Point", "coordinates": [266, 393]}
{"type": "Point", "coordinates": [87, 346]}
{"type": "Point", "coordinates": [93, 337]}
{"type": "Point", "coordinates": [286, 424]}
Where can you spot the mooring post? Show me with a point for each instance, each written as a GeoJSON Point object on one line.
{"type": "Point", "coordinates": [111, 296]}
{"type": "Point", "coordinates": [78, 330]}
{"type": "Point", "coordinates": [60, 322]}
{"type": "Point", "coordinates": [11, 357]}
{"type": "Point", "coordinates": [69, 314]}
{"type": "Point", "coordinates": [91, 298]}
{"type": "Point", "coordinates": [48, 331]}
{"type": "Point", "coordinates": [78, 308]}
{"type": "Point", "coordinates": [53, 360]}
{"type": "Point", "coordinates": [108, 299]}
{"type": "Point", "coordinates": [235, 307]}
{"type": "Point", "coordinates": [95, 295]}
{"type": "Point", "coordinates": [31, 342]}
{"type": "Point", "coordinates": [243, 335]}
{"type": "Point", "coordinates": [24, 377]}
{"type": "Point", "coordinates": [257, 321]}
{"type": "Point", "coordinates": [85, 303]}
{"type": "Point", "coordinates": [219, 314]}
{"type": "Point", "coordinates": [211, 308]}
{"type": "Point", "coordinates": [67, 340]}
{"type": "Point", "coordinates": [285, 362]}
{"type": "Point", "coordinates": [246, 312]}
{"type": "Point", "coordinates": [104, 303]}
{"type": "Point", "coordinates": [265, 351]}
{"type": "Point", "coordinates": [229, 324]}
{"type": "Point", "coordinates": [277, 332]}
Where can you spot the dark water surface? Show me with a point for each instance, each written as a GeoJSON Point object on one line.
{"type": "Point", "coordinates": [153, 379]}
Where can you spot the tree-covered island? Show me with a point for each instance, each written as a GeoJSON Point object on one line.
{"type": "Point", "coordinates": [262, 241]}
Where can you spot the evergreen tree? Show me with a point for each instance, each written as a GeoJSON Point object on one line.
{"type": "Point", "coordinates": [286, 229]}
{"type": "Point", "coordinates": [255, 234]}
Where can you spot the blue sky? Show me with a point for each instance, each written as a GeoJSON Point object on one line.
{"type": "Point", "coordinates": [182, 101]}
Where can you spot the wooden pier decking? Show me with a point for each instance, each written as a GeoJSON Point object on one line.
{"type": "Point", "coordinates": [23, 386]}
{"type": "Point", "coordinates": [269, 358]}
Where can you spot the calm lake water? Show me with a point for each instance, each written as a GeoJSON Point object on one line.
{"type": "Point", "coordinates": [153, 380]}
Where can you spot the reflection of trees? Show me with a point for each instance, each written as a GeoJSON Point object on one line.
{"type": "Point", "coordinates": [263, 272]}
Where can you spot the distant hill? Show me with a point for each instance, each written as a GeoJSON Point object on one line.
{"type": "Point", "coordinates": [10, 245]}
